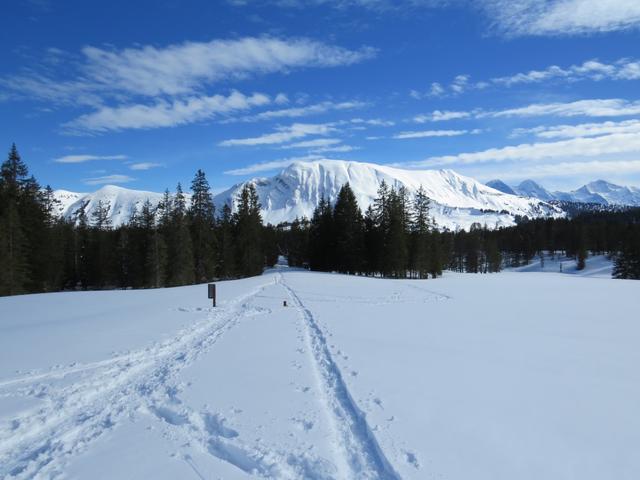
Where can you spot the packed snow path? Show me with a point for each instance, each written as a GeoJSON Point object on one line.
{"type": "Point", "coordinates": [516, 375]}
{"type": "Point", "coordinates": [364, 458]}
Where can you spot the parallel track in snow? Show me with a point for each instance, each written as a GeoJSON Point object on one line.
{"type": "Point", "coordinates": [39, 443]}
{"type": "Point", "coordinates": [362, 455]}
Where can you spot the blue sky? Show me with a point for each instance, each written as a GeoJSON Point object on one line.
{"type": "Point", "coordinates": [144, 93]}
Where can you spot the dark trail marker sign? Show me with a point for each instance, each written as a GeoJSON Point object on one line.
{"type": "Point", "coordinates": [212, 293]}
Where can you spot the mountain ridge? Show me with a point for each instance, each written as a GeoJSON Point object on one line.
{"type": "Point", "coordinates": [598, 191]}
{"type": "Point", "coordinates": [457, 201]}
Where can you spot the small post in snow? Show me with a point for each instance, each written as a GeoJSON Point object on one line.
{"type": "Point", "coordinates": [212, 293]}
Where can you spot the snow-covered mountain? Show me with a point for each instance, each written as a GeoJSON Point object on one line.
{"type": "Point", "coordinates": [122, 202]}
{"type": "Point", "coordinates": [457, 201]}
{"type": "Point", "coordinates": [500, 186]}
{"type": "Point", "coordinates": [600, 192]}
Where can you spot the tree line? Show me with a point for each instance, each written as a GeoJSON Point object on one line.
{"type": "Point", "coordinates": [396, 237]}
{"type": "Point", "coordinates": [180, 242]}
{"type": "Point", "coordinates": [174, 243]}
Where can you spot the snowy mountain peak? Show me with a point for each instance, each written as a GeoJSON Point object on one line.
{"type": "Point", "coordinates": [529, 188]}
{"type": "Point", "coordinates": [499, 185]}
{"type": "Point", "coordinates": [457, 201]}
{"type": "Point", "coordinates": [598, 191]}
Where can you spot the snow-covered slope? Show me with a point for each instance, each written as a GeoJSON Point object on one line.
{"type": "Point", "coordinates": [501, 186]}
{"type": "Point", "coordinates": [457, 201]}
{"type": "Point", "coordinates": [122, 202]}
{"type": "Point", "coordinates": [531, 189]}
{"type": "Point", "coordinates": [510, 376]}
{"type": "Point", "coordinates": [607, 193]}
{"type": "Point", "coordinates": [600, 191]}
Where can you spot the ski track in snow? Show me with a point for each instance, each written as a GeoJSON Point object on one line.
{"type": "Point", "coordinates": [40, 442]}
{"type": "Point", "coordinates": [362, 456]}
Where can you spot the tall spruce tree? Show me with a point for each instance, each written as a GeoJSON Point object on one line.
{"type": "Point", "coordinates": [347, 224]}
{"type": "Point", "coordinates": [202, 226]}
{"type": "Point", "coordinates": [180, 266]}
{"type": "Point", "coordinates": [249, 251]}
{"type": "Point", "coordinates": [14, 246]}
{"type": "Point", "coordinates": [226, 243]}
{"type": "Point", "coordinates": [321, 237]}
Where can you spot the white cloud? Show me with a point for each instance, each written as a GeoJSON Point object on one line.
{"type": "Point", "coordinates": [623, 69]}
{"type": "Point", "coordinates": [441, 116]}
{"type": "Point", "coordinates": [315, 143]}
{"type": "Point", "coordinates": [594, 70]}
{"type": "Point", "coordinates": [591, 108]}
{"type": "Point", "coordinates": [184, 68]}
{"type": "Point", "coordinates": [164, 113]}
{"type": "Point", "coordinates": [336, 149]}
{"type": "Point", "coordinates": [431, 133]}
{"type": "Point", "coordinates": [281, 99]}
{"type": "Point", "coordinates": [460, 83]}
{"type": "Point", "coordinates": [107, 179]}
{"type": "Point", "coordinates": [572, 169]}
{"type": "Point", "coordinates": [582, 130]}
{"type": "Point", "coordinates": [282, 135]}
{"type": "Point", "coordinates": [374, 122]}
{"type": "Point", "coordinates": [87, 158]}
{"type": "Point", "coordinates": [295, 112]}
{"type": "Point", "coordinates": [144, 166]}
{"type": "Point", "coordinates": [563, 17]}
{"type": "Point", "coordinates": [618, 143]}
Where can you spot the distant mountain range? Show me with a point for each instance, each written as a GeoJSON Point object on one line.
{"type": "Point", "coordinates": [598, 192]}
{"type": "Point", "coordinates": [457, 201]}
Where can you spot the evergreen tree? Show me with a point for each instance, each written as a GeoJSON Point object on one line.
{"type": "Point", "coordinates": [347, 225]}
{"type": "Point", "coordinates": [227, 252]}
{"type": "Point", "coordinates": [395, 241]}
{"type": "Point", "coordinates": [321, 237]}
{"type": "Point", "coordinates": [14, 246]}
{"type": "Point", "coordinates": [250, 255]}
{"type": "Point", "coordinates": [180, 266]}
{"type": "Point", "coordinates": [421, 225]}
{"type": "Point", "coordinates": [202, 226]}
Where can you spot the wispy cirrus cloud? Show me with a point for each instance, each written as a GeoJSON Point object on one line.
{"type": "Point", "coordinates": [581, 130]}
{"type": "Point", "coordinates": [149, 86]}
{"type": "Point", "coordinates": [87, 158]}
{"type": "Point", "coordinates": [163, 113]}
{"type": "Point", "coordinates": [599, 107]}
{"type": "Point", "coordinates": [612, 144]}
{"type": "Point", "coordinates": [562, 17]}
{"type": "Point", "coordinates": [144, 166]}
{"type": "Point", "coordinates": [442, 115]}
{"type": "Point", "coordinates": [302, 111]}
{"type": "Point", "coordinates": [569, 169]}
{"type": "Point", "coordinates": [187, 67]}
{"type": "Point", "coordinates": [282, 135]}
{"type": "Point", "coordinates": [593, 70]}
{"type": "Point", "coordinates": [433, 133]}
{"type": "Point", "coordinates": [107, 179]}
{"type": "Point", "coordinates": [611, 107]}
{"type": "Point", "coordinates": [315, 143]}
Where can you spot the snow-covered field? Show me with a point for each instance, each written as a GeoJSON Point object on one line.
{"type": "Point", "coordinates": [518, 375]}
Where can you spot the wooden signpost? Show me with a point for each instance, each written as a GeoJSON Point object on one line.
{"type": "Point", "coordinates": [212, 293]}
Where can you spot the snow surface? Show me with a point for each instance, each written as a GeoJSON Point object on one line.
{"type": "Point", "coordinates": [517, 375]}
